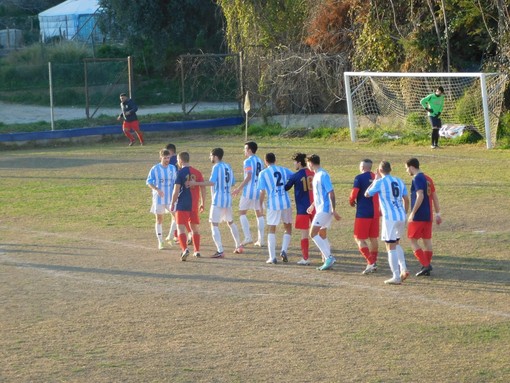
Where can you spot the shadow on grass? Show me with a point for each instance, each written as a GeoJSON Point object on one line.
{"type": "Point", "coordinates": [53, 163]}
{"type": "Point", "coordinates": [143, 274]}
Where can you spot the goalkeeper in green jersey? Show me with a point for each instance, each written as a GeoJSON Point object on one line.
{"type": "Point", "coordinates": [434, 104]}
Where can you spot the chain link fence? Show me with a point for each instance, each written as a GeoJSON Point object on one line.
{"type": "Point", "coordinates": [279, 82]}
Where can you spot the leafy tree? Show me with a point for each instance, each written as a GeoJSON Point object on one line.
{"type": "Point", "coordinates": [269, 23]}
{"type": "Point", "coordinates": [157, 31]}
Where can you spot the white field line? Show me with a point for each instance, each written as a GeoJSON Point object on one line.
{"type": "Point", "coordinates": [394, 291]}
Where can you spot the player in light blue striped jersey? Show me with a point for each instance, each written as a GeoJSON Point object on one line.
{"type": "Point", "coordinates": [161, 180]}
{"type": "Point", "coordinates": [394, 203]}
{"type": "Point", "coordinates": [250, 197]}
{"type": "Point", "coordinates": [272, 181]}
{"type": "Point", "coordinates": [221, 181]}
{"type": "Point", "coordinates": [324, 202]}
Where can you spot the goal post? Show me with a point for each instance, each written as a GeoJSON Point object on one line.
{"type": "Point", "coordinates": [471, 99]}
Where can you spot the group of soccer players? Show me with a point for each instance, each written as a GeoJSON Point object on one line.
{"type": "Point", "coordinates": [265, 187]}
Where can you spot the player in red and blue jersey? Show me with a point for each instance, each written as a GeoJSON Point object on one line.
{"type": "Point", "coordinates": [172, 233]}
{"type": "Point", "coordinates": [301, 180]}
{"type": "Point", "coordinates": [366, 223]}
{"type": "Point", "coordinates": [423, 203]}
{"type": "Point", "coordinates": [187, 202]}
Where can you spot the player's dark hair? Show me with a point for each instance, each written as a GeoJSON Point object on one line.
{"type": "Point", "coordinates": [270, 158]}
{"type": "Point", "coordinates": [314, 159]}
{"type": "Point", "coordinates": [413, 162]}
{"type": "Point", "coordinates": [252, 145]}
{"type": "Point", "coordinates": [300, 157]}
{"type": "Point", "coordinates": [218, 152]}
{"type": "Point", "coordinates": [440, 88]}
{"type": "Point", "coordinates": [171, 147]}
{"type": "Point", "coordinates": [385, 166]}
{"type": "Point", "coordinates": [123, 95]}
{"type": "Point", "coordinates": [183, 156]}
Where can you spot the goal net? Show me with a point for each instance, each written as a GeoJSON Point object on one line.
{"type": "Point", "coordinates": [393, 99]}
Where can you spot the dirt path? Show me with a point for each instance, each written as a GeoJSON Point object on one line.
{"type": "Point", "coordinates": [21, 114]}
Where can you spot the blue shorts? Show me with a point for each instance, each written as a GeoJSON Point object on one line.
{"type": "Point", "coordinates": [435, 122]}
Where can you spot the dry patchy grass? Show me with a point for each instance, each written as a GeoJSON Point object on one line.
{"type": "Point", "coordinates": [86, 297]}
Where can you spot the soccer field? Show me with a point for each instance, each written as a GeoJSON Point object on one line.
{"type": "Point", "coordinates": [86, 296]}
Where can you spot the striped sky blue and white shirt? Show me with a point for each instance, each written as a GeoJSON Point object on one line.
{"type": "Point", "coordinates": [391, 190]}
{"type": "Point", "coordinates": [253, 165]}
{"type": "Point", "coordinates": [322, 186]}
{"type": "Point", "coordinates": [223, 178]}
{"type": "Point", "coordinates": [273, 180]}
{"type": "Point", "coordinates": [163, 178]}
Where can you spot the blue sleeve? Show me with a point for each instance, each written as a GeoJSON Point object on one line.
{"type": "Point", "coordinates": [291, 181]}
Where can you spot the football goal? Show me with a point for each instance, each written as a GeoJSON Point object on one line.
{"type": "Point", "coordinates": [393, 99]}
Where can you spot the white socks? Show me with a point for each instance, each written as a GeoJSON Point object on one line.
{"type": "Point", "coordinates": [285, 242]}
{"type": "Point", "coordinates": [401, 258]}
{"type": "Point", "coordinates": [271, 245]}
{"type": "Point", "coordinates": [394, 264]}
{"type": "Point", "coordinates": [235, 234]}
{"type": "Point", "coordinates": [159, 231]}
{"type": "Point", "coordinates": [216, 236]}
{"type": "Point", "coordinates": [323, 246]}
{"type": "Point", "coordinates": [245, 225]}
{"type": "Point", "coordinates": [260, 228]}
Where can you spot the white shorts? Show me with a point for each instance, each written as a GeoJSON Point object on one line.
{"type": "Point", "coordinates": [220, 214]}
{"type": "Point", "coordinates": [249, 204]}
{"type": "Point", "coordinates": [274, 217]}
{"type": "Point", "coordinates": [160, 209]}
{"type": "Point", "coordinates": [392, 230]}
{"type": "Point", "coordinates": [323, 220]}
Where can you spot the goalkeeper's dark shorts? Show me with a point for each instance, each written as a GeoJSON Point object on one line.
{"type": "Point", "coordinates": [435, 122]}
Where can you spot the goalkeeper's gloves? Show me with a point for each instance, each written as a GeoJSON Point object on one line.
{"type": "Point", "coordinates": [438, 114]}
{"type": "Point", "coordinates": [428, 110]}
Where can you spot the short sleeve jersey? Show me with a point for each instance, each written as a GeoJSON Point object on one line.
{"type": "Point", "coordinates": [189, 197]}
{"type": "Point", "coordinates": [303, 190]}
{"type": "Point", "coordinates": [391, 190]}
{"type": "Point", "coordinates": [425, 183]}
{"type": "Point", "coordinates": [366, 207]}
{"type": "Point", "coordinates": [322, 186]}
{"type": "Point", "coordinates": [223, 178]}
{"type": "Point", "coordinates": [253, 165]}
{"type": "Point", "coordinates": [273, 180]}
{"type": "Point", "coordinates": [163, 178]}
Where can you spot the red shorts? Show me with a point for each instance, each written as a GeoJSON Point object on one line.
{"type": "Point", "coordinates": [183, 217]}
{"type": "Point", "coordinates": [303, 221]}
{"type": "Point", "coordinates": [128, 125]}
{"type": "Point", "coordinates": [419, 229]}
{"type": "Point", "coordinates": [365, 228]}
